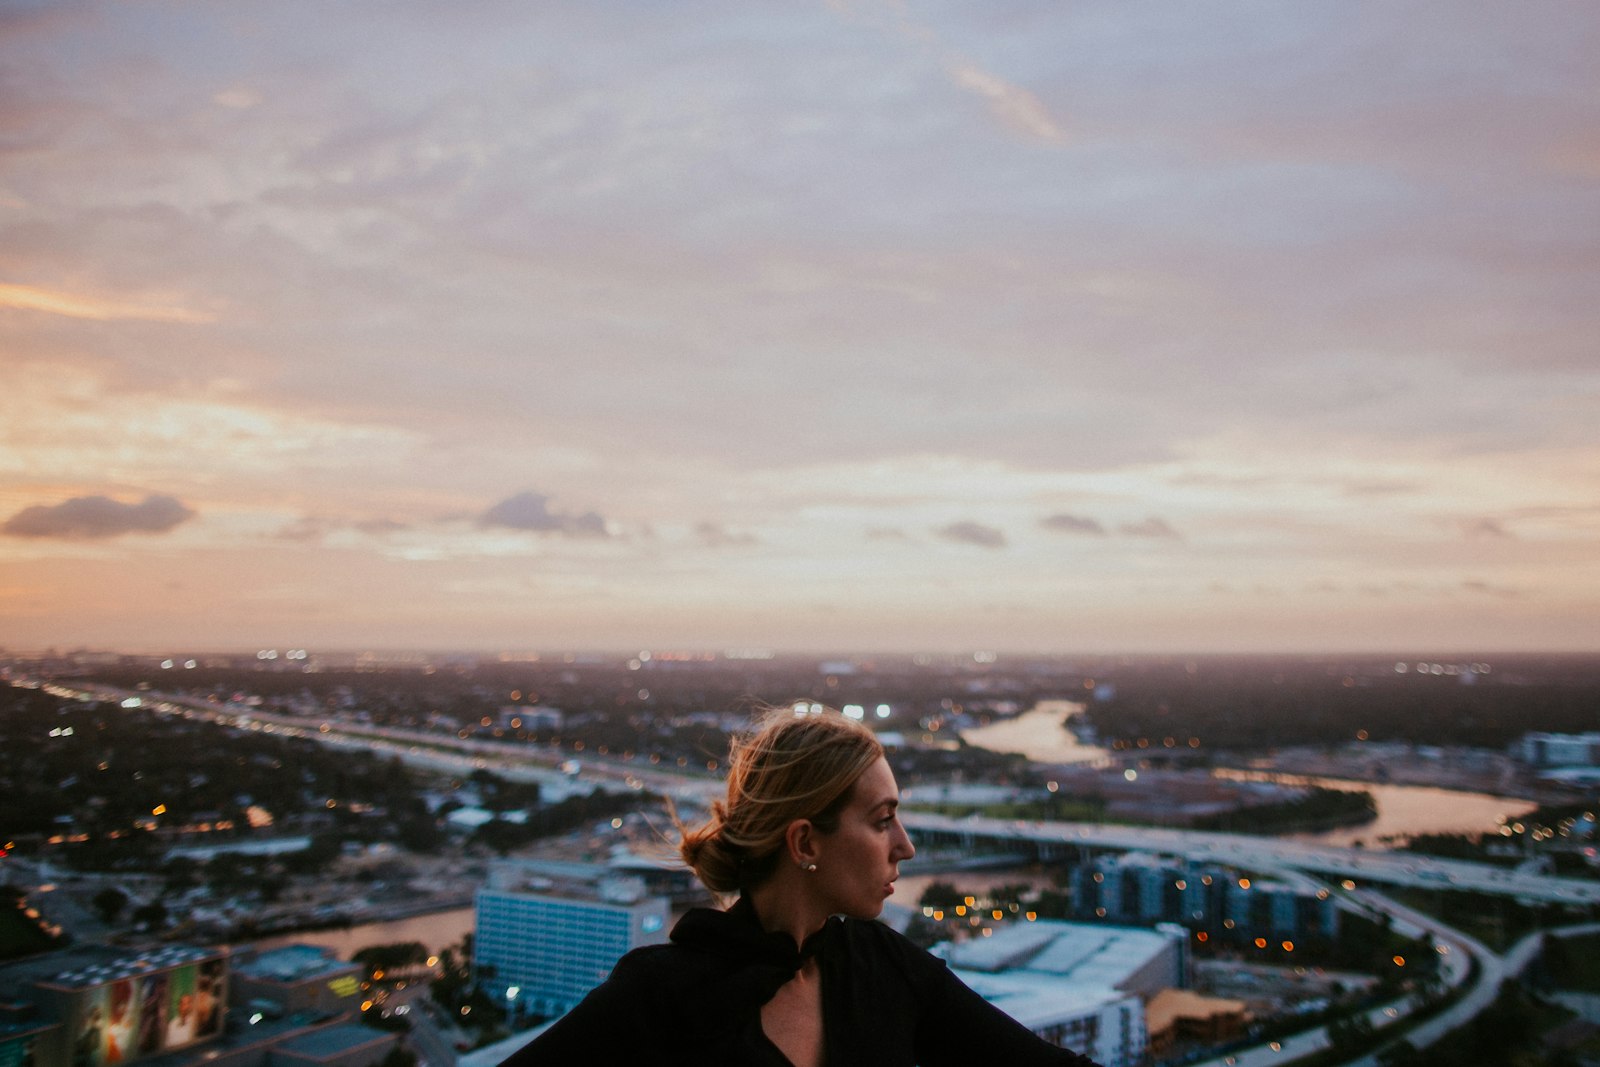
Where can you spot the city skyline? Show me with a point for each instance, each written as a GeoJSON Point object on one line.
{"type": "Point", "coordinates": [884, 326]}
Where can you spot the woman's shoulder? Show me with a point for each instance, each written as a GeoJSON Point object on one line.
{"type": "Point", "coordinates": [871, 939]}
{"type": "Point", "coordinates": [651, 964]}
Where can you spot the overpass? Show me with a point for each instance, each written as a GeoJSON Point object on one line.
{"type": "Point", "coordinates": [1062, 840]}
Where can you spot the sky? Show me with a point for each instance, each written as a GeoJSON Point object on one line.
{"type": "Point", "coordinates": [854, 325]}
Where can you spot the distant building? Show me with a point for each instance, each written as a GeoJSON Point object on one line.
{"type": "Point", "coordinates": [530, 717]}
{"type": "Point", "coordinates": [1560, 750]}
{"type": "Point", "coordinates": [1144, 888]}
{"type": "Point", "coordinates": [546, 934]}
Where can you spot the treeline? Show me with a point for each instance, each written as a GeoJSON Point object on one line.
{"type": "Point", "coordinates": [505, 835]}
{"type": "Point", "coordinates": [1262, 707]}
{"type": "Point", "coordinates": [1317, 810]}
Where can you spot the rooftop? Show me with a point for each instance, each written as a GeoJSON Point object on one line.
{"type": "Point", "coordinates": [1087, 954]}
{"type": "Point", "coordinates": [86, 969]}
{"type": "Point", "coordinates": [291, 963]}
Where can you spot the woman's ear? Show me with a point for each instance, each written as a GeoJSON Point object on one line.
{"type": "Point", "coordinates": [801, 841]}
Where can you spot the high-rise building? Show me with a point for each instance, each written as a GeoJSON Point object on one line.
{"type": "Point", "coordinates": [547, 934]}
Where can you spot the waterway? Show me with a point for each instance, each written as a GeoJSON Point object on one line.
{"type": "Point", "coordinates": [1038, 734]}
{"type": "Point", "coordinates": [437, 931]}
{"type": "Point", "coordinates": [1403, 810]}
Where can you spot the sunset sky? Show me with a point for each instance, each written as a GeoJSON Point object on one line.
{"type": "Point", "coordinates": [851, 325]}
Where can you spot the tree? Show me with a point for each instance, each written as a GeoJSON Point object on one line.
{"type": "Point", "coordinates": [182, 873]}
{"type": "Point", "coordinates": [399, 1056]}
{"type": "Point", "coordinates": [1397, 1054]}
{"type": "Point", "coordinates": [941, 895]}
{"type": "Point", "coordinates": [109, 903]}
{"type": "Point", "coordinates": [391, 957]}
{"type": "Point", "coordinates": [151, 916]}
{"type": "Point", "coordinates": [1350, 1034]}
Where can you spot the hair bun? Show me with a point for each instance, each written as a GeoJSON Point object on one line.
{"type": "Point", "coordinates": [714, 860]}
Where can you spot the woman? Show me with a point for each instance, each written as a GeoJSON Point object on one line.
{"type": "Point", "coordinates": [809, 832]}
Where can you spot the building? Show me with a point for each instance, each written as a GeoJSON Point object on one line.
{"type": "Point", "coordinates": [174, 1005]}
{"type": "Point", "coordinates": [92, 1007]}
{"type": "Point", "coordinates": [1560, 750]}
{"type": "Point", "coordinates": [546, 934]}
{"type": "Point", "coordinates": [295, 980]}
{"type": "Point", "coordinates": [1138, 887]}
{"type": "Point", "coordinates": [1080, 985]}
{"type": "Point", "coordinates": [1183, 1017]}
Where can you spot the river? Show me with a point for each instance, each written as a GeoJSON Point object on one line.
{"type": "Point", "coordinates": [437, 930]}
{"type": "Point", "coordinates": [1403, 810]}
{"type": "Point", "coordinates": [1037, 733]}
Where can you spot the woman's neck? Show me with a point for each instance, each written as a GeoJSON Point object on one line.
{"type": "Point", "coordinates": [784, 906]}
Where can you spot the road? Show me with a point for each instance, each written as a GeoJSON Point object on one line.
{"type": "Point", "coordinates": [1275, 853]}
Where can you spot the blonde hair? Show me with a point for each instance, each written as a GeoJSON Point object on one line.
{"type": "Point", "coordinates": [799, 763]}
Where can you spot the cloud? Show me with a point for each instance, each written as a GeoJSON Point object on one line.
{"type": "Point", "coordinates": [715, 535]}
{"type": "Point", "coordinates": [1152, 527]}
{"type": "Point", "coordinates": [531, 511]}
{"type": "Point", "coordinates": [318, 528]}
{"type": "Point", "coordinates": [94, 517]}
{"type": "Point", "coordinates": [380, 527]}
{"type": "Point", "coordinates": [72, 306]}
{"type": "Point", "coordinates": [1076, 524]}
{"type": "Point", "coordinates": [1503, 592]}
{"type": "Point", "coordinates": [237, 97]}
{"type": "Point", "coordinates": [973, 533]}
{"type": "Point", "coordinates": [1013, 105]}
{"type": "Point", "coordinates": [307, 529]}
{"type": "Point", "coordinates": [887, 533]}
{"type": "Point", "coordinates": [1491, 529]}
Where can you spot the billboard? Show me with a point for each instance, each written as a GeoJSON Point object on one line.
{"type": "Point", "coordinates": [194, 1000]}
{"type": "Point", "coordinates": [147, 1014]}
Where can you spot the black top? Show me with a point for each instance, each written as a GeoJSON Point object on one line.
{"type": "Point", "coordinates": [885, 1002]}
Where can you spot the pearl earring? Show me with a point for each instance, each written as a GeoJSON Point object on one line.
{"type": "Point", "coordinates": [809, 868]}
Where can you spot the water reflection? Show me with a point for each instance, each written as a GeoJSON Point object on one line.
{"type": "Point", "coordinates": [1038, 734]}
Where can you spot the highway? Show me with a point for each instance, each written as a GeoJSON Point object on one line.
{"type": "Point", "coordinates": [1245, 851]}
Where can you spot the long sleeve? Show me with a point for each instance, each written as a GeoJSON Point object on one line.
{"type": "Point", "coordinates": [958, 1027]}
{"type": "Point", "coordinates": [603, 1028]}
